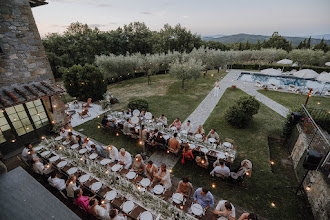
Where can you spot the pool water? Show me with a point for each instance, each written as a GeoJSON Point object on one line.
{"type": "Point", "coordinates": [284, 80]}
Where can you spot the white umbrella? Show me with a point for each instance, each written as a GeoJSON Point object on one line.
{"type": "Point", "coordinates": [323, 77]}
{"type": "Point", "coordinates": [271, 72]}
{"type": "Point", "coordinates": [327, 63]}
{"type": "Point", "coordinates": [295, 64]}
{"type": "Point", "coordinates": [285, 61]}
{"type": "Point", "coordinates": [306, 74]}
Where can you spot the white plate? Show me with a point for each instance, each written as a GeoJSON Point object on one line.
{"type": "Point", "coordinates": [66, 142]}
{"type": "Point", "coordinates": [72, 170]}
{"type": "Point", "coordinates": [93, 156]}
{"type": "Point", "coordinates": [198, 136]}
{"type": "Point", "coordinates": [211, 140]}
{"type": "Point", "coordinates": [166, 136]}
{"type": "Point", "coordinates": [204, 150]}
{"type": "Point", "coordinates": [75, 146]}
{"type": "Point", "coordinates": [62, 164]}
{"type": "Point", "coordinates": [111, 195]}
{"type": "Point", "coordinates": [145, 182]}
{"type": "Point", "coordinates": [128, 206]}
{"type": "Point", "coordinates": [82, 151]}
{"type": "Point", "coordinates": [227, 144]}
{"type": "Point", "coordinates": [130, 175]}
{"type": "Point", "coordinates": [105, 161]}
{"type": "Point", "coordinates": [84, 178]}
{"type": "Point", "coordinates": [58, 138]}
{"type": "Point", "coordinates": [221, 155]}
{"type": "Point", "coordinates": [184, 132]}
{"type": "Point", "coordinates": [158, 189]}
{"type": "Point", "coordinates": [177, 198]}
{"type": "Point", "coordinates": [116, 167]}
{"type": "Point", "coordinates": [146, 216]}
{"type": "Point", "coordinates": [179, 141]}
{"type": "Point", "coordinates": [174, 128]}
{"type": "Point", "coordinates": [45, 153]}
{"type": "Point", "coordinates": [197, 209]}
{"type": "Point", "coordinates": [54, 158]}
{"type": "Point", "coordinates": [96, 186]}
{"type": "Point", "coordinates": [37, 148]}
{"type": "Point", "coordinates": [192, 146]}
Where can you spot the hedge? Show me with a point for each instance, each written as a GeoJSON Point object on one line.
{"type": "Point", "coordinates": [255, 66]}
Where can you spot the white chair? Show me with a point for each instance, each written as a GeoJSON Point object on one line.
{"type": "Point", "coordinates": [327, 93]}
{"type": "Point", "coordinates": [292, 88]}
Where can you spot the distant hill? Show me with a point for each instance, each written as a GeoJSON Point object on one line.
{"type": "Point", "coordinates": [325, 36]}
{"type": "Point", "coordinates": [242, 38]}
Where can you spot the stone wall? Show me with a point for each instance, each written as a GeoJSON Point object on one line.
{"type": "Point", "coordinates": [319, 192]}
{"type": "Point", "coordinates": [23, 58]}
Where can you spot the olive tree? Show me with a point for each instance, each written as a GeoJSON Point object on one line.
{"type": "Point", "coordinates": [186, 69]}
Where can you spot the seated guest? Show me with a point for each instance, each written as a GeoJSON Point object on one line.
{"type": "Point", "coordinates": [187, 126]}
{"type": "Point", "coordinates": [151, 170]}
{"type": "Point", "coordinates": [187, 154]}
{"type": "Point", "coordinates": [143, 114]}
{"type": "Point", "coordinates": [221, 170]}
{"type": "Point", "coordinates": [88, 143]}
{"type": "Point", "coordinates": [114, 214]}
{"type": "Point", "coordinates": [79, 140]}
{"type": "Point", "coordinates": [174, 145]}
{"type": "Point", "coordinates": [71, 138]}
{"type": "Point", "coordinates": [71, 186]}
{"type": "Point", "coordinates": [105, 122]}
{"type": "Point", "coordinates": [213, 134]}
{"type": "Point", "coordinates": [176, 123]}
{"type": "Point", "coordinates": [125, 158]}
{"type": "Point", "coordinates": [129, 112]}
{"type": "Point", "coordinates": [113, 153]}
{"type": "Point", "coordinates": [56, 182]}
{"type": "Point", "coordinates": [93, 148]}
{"type": "Point", "coordinates": [162, 119]}
{"type": "Point", "coordinates": [37, 166]}
{"type": "Point", "coordinates": [127, 127]}
{"type": "Point", "coordinates": [248, 216]}
{"type": "Point", "coordinates": [100, 211]}
{"type": "Point", "coordinates": [200, 130]}
{"type": "Point", "coordinates": [204, 197]}
{"type": "Point", "coordinates": [144, 133]}
{"type": "Point", "coordinates": [113, 124]}
{"type": "Point", "coordinates": [163, 177]}
{"type": "Point", "coordinates": [82, 201]}
{"type": "Point", "coordinates": [27, 153]}
{"type": "Point", "coordinates": [138, 165]}
{"type": "Point", "coordinates": [225, 209]}
{"type": "Point", "coordinates": [185, 187]}
{"type": "Point", "coordinates": [63, 133]}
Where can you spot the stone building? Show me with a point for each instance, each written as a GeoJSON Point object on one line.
{"type": "Point", "coordinates": [29, 99]}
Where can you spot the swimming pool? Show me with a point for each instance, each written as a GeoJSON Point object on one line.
{"type": "Point", "coordinates": [284, 80]}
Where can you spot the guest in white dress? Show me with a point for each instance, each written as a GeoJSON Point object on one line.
{"type": "Point", "coordinates": [163, 176]}
{"type": "Point", "coordinates": [113, 153]}
{"type": "Point", "coordinates": [188, 127]}
{"type": "Point", "coordinates": [216, 88]}
{"type": "Point", "coordinates": [114, 214]}
{"type": "Point", "coordinates": [37, 166]}
{"type": "Point", "coordinates": [71, 186]}
{"type": "Point", "coordinates": [100, 211]}
{"type": "Point", "coordinates": [56, 182]}
{"type": "Point", "coordinates": [125, 158]}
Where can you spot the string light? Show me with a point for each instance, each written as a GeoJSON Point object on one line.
{"type": "Point", "coordinates": [71, 182]}
{"type": "Point", "coordinates": [13, 140]}
{"type": "Point", "coordinates": [181, 206]}
{"type": "Point", "coordinates": [248, 173]}
{"type": "Point", "coordinates": [98, 116]}
{"type": "Point", "coordinates": [168, 151]}
{"type": "Point", "coordinates": [140, 142]}
{"type": "Point", "coordinates": [308, 188]}
{"type": "Point", "coordinates": [138, 187]}
{"type": "Point", "coordinates": [170, 170]}
{"type": "Point", "coordinates": [319, 103]}
{"type": "Point", "coordinates": [273, 204]}
{"type": "Point", "coordinates": [272, 162]}
{"type": "Point", "coordinates": [98, 126]}
{"type": "Point", "coordinates": [203, 161]}
{"type": "Point", "coordinates": [109, 148]}
{"type": "Point", "coordinates": [213, 185]}
{"type": "Point", "coordinates": [117, 134]}
{"type": "Point", "coordinates": [43, 138]}
{"type": "Point", "coordinates": [60, 148]}
{"type": "Point", "coordinates": [2, 110]}
{"type": "Point", "coordinates": [54, 106]}
{"type": "Point", "coordinates": [106, 172]}
{"type": "Point", "coordinates": [102, 202]}
{"type": "Point", "coordinates": [81, 159]}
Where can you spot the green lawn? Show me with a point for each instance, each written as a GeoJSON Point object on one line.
{"type": "Point", "coordinates": [292, 100]}
{"type": "Point", "coordinates": [259, 192]}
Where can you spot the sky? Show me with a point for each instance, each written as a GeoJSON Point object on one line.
{"type": "Point", "coordinates": [204, 17]}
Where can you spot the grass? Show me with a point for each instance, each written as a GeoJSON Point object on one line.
{"type": "Point", "coordinates": [252, 143]}
{"type": "Point", "coordinates": [292, 100]}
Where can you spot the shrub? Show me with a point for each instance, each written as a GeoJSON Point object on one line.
{"type": "Point", "coordinates": [138, 104]}
{"type": "Point", "coordinates": [241, 113]}
{"type": "Point", "coordinates": [85, 82]}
